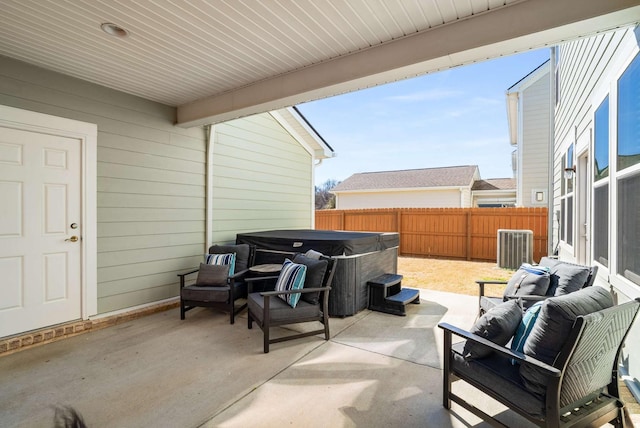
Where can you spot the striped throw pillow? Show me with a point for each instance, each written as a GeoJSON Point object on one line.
{"type": "Point", "coordinates": [291, 278]}
{"type": "Point", "coordinates": [222, 260]}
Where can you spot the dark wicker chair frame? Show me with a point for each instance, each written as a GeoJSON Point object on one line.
{"type": "Point", "coordinates": [236, 288]}
{"type": "Point", "coordinates": [292, 315]}
{"type": "Point", "coordinates": [583, 385]}
{"type": "Point", "coordinates": [523, 299]}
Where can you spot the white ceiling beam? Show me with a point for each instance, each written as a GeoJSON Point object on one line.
{"type": "Point", "coordinates": [514, 28]}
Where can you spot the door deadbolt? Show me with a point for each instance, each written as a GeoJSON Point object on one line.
{"type": "Point", "coordinates": [74, 225]}
{"type": "Point", "coordinates": [72, 239]}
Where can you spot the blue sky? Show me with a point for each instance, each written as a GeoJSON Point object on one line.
{"type": "Point", "coordinates": [453, 117]}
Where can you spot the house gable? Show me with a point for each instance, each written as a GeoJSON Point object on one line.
{"type": "Point", "coordinates": [424, 188]}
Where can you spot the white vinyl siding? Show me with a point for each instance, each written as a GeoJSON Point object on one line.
{"type": "Point", "coordinates": [150, 181]}
{"type": "Point", "coordinates": [262, 178]}
{"type": "Point", "coordinates": [534, 164]}
{"type": "Point", "coordinates": [432, 198]}
{"type": "Point", "coordinates": [589, 72]}
{"type": "Point", "coordinates": [586, 71]}
{"type": "Point", "coordinates": [583, 76]}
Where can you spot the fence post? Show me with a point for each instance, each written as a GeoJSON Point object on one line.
{"type": "Point", "coordinates": [469, 234]}
{"type": "Point", "coordinates": [399, 228]}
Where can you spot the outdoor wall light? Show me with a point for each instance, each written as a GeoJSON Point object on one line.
{"type": "Point", "coordinates": [568, 172]}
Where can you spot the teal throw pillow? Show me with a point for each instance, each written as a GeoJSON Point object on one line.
{"type": "Point", "coordinates": [222, 260]}
{"type": "Point", "coordinates": [291, 278]}
{"type": "Point", "coordinates": [526, 325]}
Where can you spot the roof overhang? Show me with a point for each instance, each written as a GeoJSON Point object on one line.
{"type": "Point", "coordinates": [513, 95]}
{"type": "Point", "coordinates": [518, 27]}
{"type": "Point", "coordinates": [216, 61]}
{"type": "Point", "coordinates": [296, 124]}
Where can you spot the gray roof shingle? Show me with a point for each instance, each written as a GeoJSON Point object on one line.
{"type": "Point", "coordinates": [409, 178]}
{"type": "Point", "coordinates": [495, 184]}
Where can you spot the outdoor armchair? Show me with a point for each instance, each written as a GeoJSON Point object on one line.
{"type": "Point", "coordinates": [567, 374]}
{"type": "Point", "coordinates": [268, 309]}
{"type": "Point", "coordinates": [564, 278]}
{"type": "Point", "coordinates": [220, 284]}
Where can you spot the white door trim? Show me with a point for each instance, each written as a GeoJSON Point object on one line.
{"type": "Point", "coordinates": [87, 133]}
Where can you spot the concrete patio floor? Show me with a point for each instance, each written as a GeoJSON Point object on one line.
{"type": "Point", "coordinates": [377, 370]}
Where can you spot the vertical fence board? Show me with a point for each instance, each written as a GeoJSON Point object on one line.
{"type": "Point", "coordinates": [455, 233]}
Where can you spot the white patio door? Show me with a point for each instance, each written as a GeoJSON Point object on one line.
{"type": "Point", "coordinates": [40, 230]}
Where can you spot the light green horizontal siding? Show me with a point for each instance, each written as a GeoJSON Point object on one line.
{"type": "Point", "coordinates": [535, 135]}
{"type": "Point", "coordinates": [150, 181]}
{"type": "Point", "coordinates": [262, 178]}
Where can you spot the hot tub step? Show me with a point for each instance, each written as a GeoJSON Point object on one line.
{"type": "Point", "coordinates": [405, 296]}
{"type": "Point", "coordinates": [387, 295]}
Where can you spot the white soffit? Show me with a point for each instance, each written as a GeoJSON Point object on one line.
{"type": "Point", "coordinates": [221, 59]}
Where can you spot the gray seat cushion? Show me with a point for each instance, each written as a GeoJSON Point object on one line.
{"type": "Point", "coordinates": [280, 310]}
{"type": "Point", "coordinates": [242, 252]}
{"type": "Point", "coordinates": [205, 294]}
{"type": "Point", "coordinates": [503, 377]}
{"type": "Point", "coordinates": [553, 326]}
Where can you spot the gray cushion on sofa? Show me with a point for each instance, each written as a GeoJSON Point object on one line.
{"type": "Point", "coordinates": [497, 325]}
{"type": "Point", "coordinates": [501, 375]}
{"type": "Point", "coordinates": [565, 277]}
{"type": "Point", "coordinates": [524, 282]}
{"type": "Point", "coordinates": [553, 326]}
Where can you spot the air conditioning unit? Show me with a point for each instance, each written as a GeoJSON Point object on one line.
{"type": "Point", "coordinates": [514, 248]}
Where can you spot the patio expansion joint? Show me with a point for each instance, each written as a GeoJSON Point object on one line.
{"type": "Point", "coordinates": [336, 336]}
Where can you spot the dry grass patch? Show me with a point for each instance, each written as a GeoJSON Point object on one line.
{"type": "Point", "coordinates": [454, 276]}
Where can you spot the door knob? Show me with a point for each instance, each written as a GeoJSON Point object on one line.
{"type": "Point", "coordinates": [72, 239]}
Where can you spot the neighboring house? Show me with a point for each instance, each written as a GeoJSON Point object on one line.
{"type": "Point", "coordinates": [446, 187]}
{"type": "Point", "coordinates": [596, 174]}
{"type": "Point", "coordinates": [145, 197]}
{"type": "Point", "coordinates": [494, 193]}
{"type": "Point", "coordinates": [528, 112]}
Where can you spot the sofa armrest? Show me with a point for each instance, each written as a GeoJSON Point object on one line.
{"type": "Point", "coordinates": [239, 274]}
{"type": "Point", "coordinates": [482, 283]}
{"type": "Point", "coordinates": [519, 356]}
{"type": "Point", "coordinates": [253, 279]}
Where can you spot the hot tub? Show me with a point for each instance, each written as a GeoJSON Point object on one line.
{"type": "Point", "coordinates": [360, 256]}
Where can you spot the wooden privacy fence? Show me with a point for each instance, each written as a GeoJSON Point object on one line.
{"type": "Point", "coordinates": [455, 233]}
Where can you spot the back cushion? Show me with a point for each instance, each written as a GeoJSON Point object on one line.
{"type": "Point", "coordinates": [527, 281]}
{"type": "Point", "coordinates": [315, 274]}
{"type": "Point", "coordinates": [242, 254]}
{"type": "Point", "coordinates": [565, 277]}
{"type": "Point", "coordinates": [552, 328]}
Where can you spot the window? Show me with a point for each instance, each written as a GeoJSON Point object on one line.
{"type": "Point", "coordinates": [601, 184]}
{"type": "Point", "coordinates": [628, 172]}
{"type": "Point", "coordinates": [629, 228]}
{"type": "Point", "coordinates": [566, 199]}
{"type": "Point", "coordinates": [629, 116]}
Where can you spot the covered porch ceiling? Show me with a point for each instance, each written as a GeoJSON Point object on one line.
{"type": "Point", "coordinates": [217, 60]}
